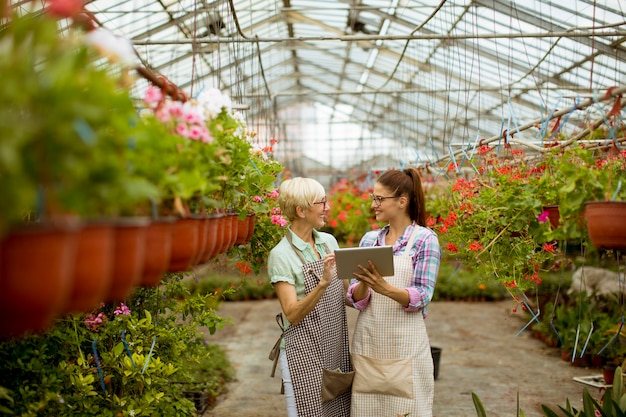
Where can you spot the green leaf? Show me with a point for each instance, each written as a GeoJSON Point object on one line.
{"type": "Point", "coordinates": [478, 405]}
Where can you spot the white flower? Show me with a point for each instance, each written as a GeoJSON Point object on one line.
{"type": "Point", "coordinates": [114, 47]}
{"type": "Point", "coordinates": [213, 101]}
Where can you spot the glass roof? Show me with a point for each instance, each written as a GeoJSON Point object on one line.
{"type": "Point", "coordinates": [342, 83]}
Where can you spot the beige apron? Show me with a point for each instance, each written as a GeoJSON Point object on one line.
{"type": "Point", "coordinates": [385, 331]}
{"type": "Point", "coordinates": [319, 341]}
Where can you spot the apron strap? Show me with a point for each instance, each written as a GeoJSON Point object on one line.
{"type": "Point", "coordinates": [275, 352]}
{"type": "Point", "coordinates": [298, 251]}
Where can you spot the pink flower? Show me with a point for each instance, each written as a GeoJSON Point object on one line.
{"type": "Point", "coordinates": [122, 309]}
{"type": "Point", "coordinates": [93, 322]}
{"type": "Point", "coordinates": [273, 195]}
{"type": "Point", "coordinates": [543, 217]}
{"type": "Point", "coordinates": [257, 199]}
{"type": "Point", "coordinates": [278, 220]}
{"type": "Point", "coordinates": [182, 130]}
{"type": "Point", "coordinates": [153, 96]}
{"type": "Point", "coordinates": [195, 132]}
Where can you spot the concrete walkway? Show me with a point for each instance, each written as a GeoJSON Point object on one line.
{"type": "Point", "coordinates": [480, 353]}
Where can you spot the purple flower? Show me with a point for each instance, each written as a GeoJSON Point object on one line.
{"type": "Point", "coordinates": [122, 309]}
{"type": "Point", "coordinates": [543, 217]}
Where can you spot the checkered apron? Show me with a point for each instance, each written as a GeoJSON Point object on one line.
{"type": "Point", "coordinates": [385, 331]}
{"type": "Point", "coordinates": [319, 341]}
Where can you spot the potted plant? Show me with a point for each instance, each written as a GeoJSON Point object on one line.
{"type": "Point", "coordinates": [495, 224]}
{"type": "Point", "coordinates": [593, 180]}
{"type": "Point", "coordinates": [66, 126]}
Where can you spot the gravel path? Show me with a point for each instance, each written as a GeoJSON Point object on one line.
{"type": "Point", "coordinates": [480, 353]}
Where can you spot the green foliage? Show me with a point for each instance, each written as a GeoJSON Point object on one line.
{"type": "Point", "coordinates": [494, 223]}
{"type": "Point", "coordinates": [613, 402]}
{"type": "Point", "coordinates": [232, 286]}
{"type": "Point", "coordinates": [66, 125]}
{"type": "Point", "coordinates": [118, 360]}
{"type": "Point", "coordinates": [589, 175]}
{"type": "Point", "coordinates": [456, 282]}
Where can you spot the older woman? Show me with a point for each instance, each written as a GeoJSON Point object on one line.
{"type": "Point", "coordinates": [315, 339]}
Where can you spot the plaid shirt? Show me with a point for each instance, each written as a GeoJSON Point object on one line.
{"type": "Point", "coordinates": [426, 256]}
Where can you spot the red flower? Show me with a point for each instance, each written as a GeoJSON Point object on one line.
{"type": "Point", "coordinates": [475, 246]}
{"type": "Point", "coordinates": [549, 248]}
{"type": "Point", "coordinates": [244, 268]}
{"type": "Point", "coordinates": [452, 247]}
{"type": "Point", "coordinates": [343, 216]}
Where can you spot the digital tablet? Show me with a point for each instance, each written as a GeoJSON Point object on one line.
{"type": "Point", "coordinates": [347, 260]}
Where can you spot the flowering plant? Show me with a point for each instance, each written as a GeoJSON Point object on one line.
{"type": "Point", "coordinates": [121, 359]}
{"type": "Point", "coordinates": [350, 214]}
{"type": "Point", "coordinates": [65, 122]}
{"type": "Point", "coordinates": [588, 175]}
{"type": "Point", "coordinates": [495, 222]}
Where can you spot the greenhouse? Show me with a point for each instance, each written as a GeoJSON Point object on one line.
{"type": "Point", "coordinates": [176, 177]}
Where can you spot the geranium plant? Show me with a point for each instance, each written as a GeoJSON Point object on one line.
{"type": "Point", "coordinates": [350, 214]}
{"type": "Point", "coordinates": [495, 222]}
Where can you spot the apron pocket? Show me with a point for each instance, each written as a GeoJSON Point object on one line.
{"type": "Point", "coordinates": [335, 383]}
{"type": "Point", "coordinates": [383, 376]}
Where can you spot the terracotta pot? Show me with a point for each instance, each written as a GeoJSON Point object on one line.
{"type": "Point", "coordinates": [220, 235]}
{"type": "Point", "coordinates": [93, 266]}
{"type": "Point", "coordinates": [232, 224]}
{"type": "Point", "coordinates": [158, 250]}
{"type": "Point", "coordinates": [251, 218]}
{"type": "Point", "coordinates": [36, 273]}
{"type": "Point", "coordinates": [242, 230]}
{"type": "Point", "coordinates": [608, 372]}
{"type": "Point", "coordinates": [606, 223]}
{"type": "Point", "coordinates": [554, 215]}
{"type": "Point", "coordinates": [184, 244]}
{"type": "Point", "coordinates": [212, 244]}
{"type": "Point", "coordinates": [202, 224]}
{"type": "Point", "coordinates": [226, 224]}
{"type": "Point", "coordinates": [128, 259]}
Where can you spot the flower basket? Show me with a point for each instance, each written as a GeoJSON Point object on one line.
{"type": "Point", "coordinates": [93, 266]}
{"type": "Point", "coordinates": [36, 273]}
{"type": "Point", "coordinates": [184, 244]}
{"type": "Point", "coordinates": [158, 250]}
{"type": "Point", "coordinates": [606, 224]}
{"type": "Point", "coordinates": [130, 246]}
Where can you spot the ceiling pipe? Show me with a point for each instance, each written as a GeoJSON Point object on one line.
{"type": "Point", "coordinates": [356, 38]}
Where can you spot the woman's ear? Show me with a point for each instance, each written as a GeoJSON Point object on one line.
{"type": "Point", "coordinates": [300, 212]}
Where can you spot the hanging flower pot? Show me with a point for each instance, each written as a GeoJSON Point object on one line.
{"type": "Point", "coordinates": [128, 258]}
{"type": "Point", "coordinates": [184, 244]}
{"type": "Point", "coordinates": [212, 241]}
{"type": "Point", "coordinates": [232, 224]}
{"type": "Point", "coordinates": [606, 224]}
{"type": "Point", "coordinates": [201, 224]}
{"type": "Point", "coordinates": [158, 250]}
{"type": "Point", "coordinates": [226, 230]}
{"type": "Point", "coordinates": [242, 230]}
{"type": "Point", "coordinates": [93, 266]}
{"type": "Point", "coordinates": [251, 218]}
{"type": "Point", "coordinates": [36, 272]}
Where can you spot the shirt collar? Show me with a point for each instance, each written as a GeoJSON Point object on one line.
{"type": "Point", "coordinates": [299, 243]}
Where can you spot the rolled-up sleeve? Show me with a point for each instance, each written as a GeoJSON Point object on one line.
{"type": "Point", "coordinates": [361, 304]}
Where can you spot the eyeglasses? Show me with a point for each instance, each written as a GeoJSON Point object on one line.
{"type": "Point", "coordinates": [322, 202]}
{"type": "Point", "coordinates": [378, 199]}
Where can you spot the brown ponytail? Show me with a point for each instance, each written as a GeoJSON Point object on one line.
{"type": "Point", "coordinates": [407, 183]}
